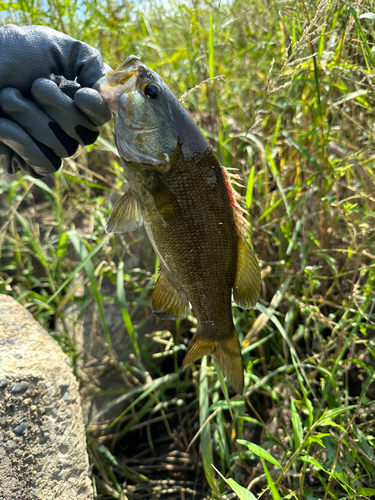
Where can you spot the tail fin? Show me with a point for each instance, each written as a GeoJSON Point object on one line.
{"type": "Point", "coordinates": [228, 355]}
{"type": "Point", "coordinates": [229, 358]}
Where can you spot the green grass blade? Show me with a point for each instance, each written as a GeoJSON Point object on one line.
{"type": "Point", "coordinates": [297, 425]}
{"type": "Point", "coordinates": [240, 491]}
{"type": "Point", "coordinates": [35, 242]}
{"type": "Point", "coordinates": [337, 411]}
{"type": "Point", "coordinates": [259, 451]}
{"type": "Point", "coordinates": [120, 290]}
{"type": "Point", "coordinates": [84, 262]}
{"type": "Point", "coordinates": [276, 176]}
{"type": "Point", "coordinates": [41, 184]}
{"type": "Point", "coordinates": [270, 482]}
{"type": "Point", "coordinates": [223, 387]}
{"type": "Point", "coordinates": [90, 271]}
{"type": "Point", "coordinates": [250, 188]}
{"type": "Point", "coordinates": [211, 49]}
{"type": "Point", "coordinates": [362, 35]}
{"type": "Point", "coordinates": [302, 150]}
{"type": "Point", "coordinates": [205, 436]}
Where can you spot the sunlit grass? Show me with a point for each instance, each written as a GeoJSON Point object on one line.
{"type": "Point", "coordinates": [294, 114]}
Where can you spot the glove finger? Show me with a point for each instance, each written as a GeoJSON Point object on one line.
{"type": "Point", "coordinates": [17, 163]}
{"type": "Point", "coordinates": [35, 155]}
{"type": "Point", "coordinates": [90, 102]}
{"type": "Point", "coordinates": [63, 111]}
{"type": "Point", "coordinates": [13, 163]}
{"type": "Point", "coordinates": [36, 122]}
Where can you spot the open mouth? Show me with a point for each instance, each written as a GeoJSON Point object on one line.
{"type": "Point", "coordinates": [122, 76]}
{"type": "Point", "coordinates": [118, 82]}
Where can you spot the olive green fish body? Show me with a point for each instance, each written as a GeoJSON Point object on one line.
{"type": "Point", "coordinates": [191, 226]}
{"type": "Point", "coordinates": [184, 198]}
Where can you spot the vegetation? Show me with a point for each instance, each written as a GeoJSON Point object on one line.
{"type": "Point", "coordinates": [294, 113]}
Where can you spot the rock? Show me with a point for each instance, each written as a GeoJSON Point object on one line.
{"type": "Point", "coordinates": [20, 387]}
{"type": "Point", "coordinates": [43, 452]}
{"type": "Point", "coordinates": [3, 383]}
{"type": "Point", "coordinates": [20, 429]}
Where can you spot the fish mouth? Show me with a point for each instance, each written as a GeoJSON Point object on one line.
{"type": "Point", "coordinates": [121, 78]}
{"type": "Point", "coordinates": [121, 81]}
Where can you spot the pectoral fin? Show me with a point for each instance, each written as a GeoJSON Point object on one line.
{"type": "Point", "coordinates": [166, 301]}
{"type": "Point", "coordinates": [125, 216]}
{"type": "Point", "coordinates": [247, 285]}
{"type": "Point", "coordinates": [166, 201]}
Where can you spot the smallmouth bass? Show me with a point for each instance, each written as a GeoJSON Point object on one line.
{"type": "Point", "coordinates": [185, 199]}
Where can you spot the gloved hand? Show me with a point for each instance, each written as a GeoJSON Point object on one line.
{"type": "Point", "coordinates": [39, 122]}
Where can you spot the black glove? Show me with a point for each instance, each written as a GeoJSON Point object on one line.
{"type": "Point", "coordinates": [39, 122]}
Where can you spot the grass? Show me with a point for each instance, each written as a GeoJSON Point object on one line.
{"type": "Point", "coordinates": [295, 115]}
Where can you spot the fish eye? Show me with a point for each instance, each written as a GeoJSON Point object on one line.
{"type": "Point", "coordinates": [152, 91]}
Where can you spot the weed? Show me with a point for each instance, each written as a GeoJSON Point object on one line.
{"type": "Point", "coordinates": [294, 113]}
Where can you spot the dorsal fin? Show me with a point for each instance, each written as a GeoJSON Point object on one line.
{"type": "Point", "coordinates": [242, 225]}
{"type": "Point", "coordinates": [166, 301]}
{"type": "Point", "coordinates": [247, 284]}
{"type": "Point", "coordinates": [126, 215]}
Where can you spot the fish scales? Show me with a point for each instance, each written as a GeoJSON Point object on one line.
{"type": "Point", "coordinates": [198, 248]}
{"type": "Point", "coordinates": [182, 195]}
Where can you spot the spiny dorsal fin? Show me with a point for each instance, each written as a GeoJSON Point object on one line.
{"type": "Point", "coordinates": [247, 284]}
{"type": "Point", "coordinates": [242, 225]}
{"type": "Point", "coordinates": [166, 301]}
{"type": "Point", "coordinates": [125, 216]}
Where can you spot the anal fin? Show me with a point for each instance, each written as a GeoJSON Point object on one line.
{"type": "Point", "coordinates": [166, 301]}
{"type": "Point", "coordinates": [126, 215]}
{"type": "Point", "coordinates": [247, 284]}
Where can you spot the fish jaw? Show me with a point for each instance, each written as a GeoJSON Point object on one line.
{"type": "Point", "coordinates": [116, 83]}
{"type": "Point", "coordinates": [121, 76]}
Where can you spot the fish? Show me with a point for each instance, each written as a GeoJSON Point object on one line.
{"type": "Point", "coordinates": [183, 196]}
